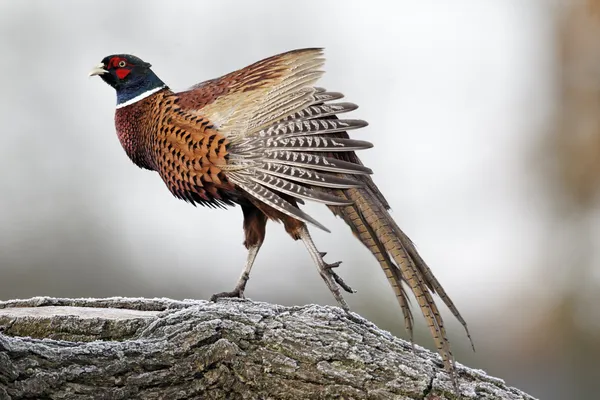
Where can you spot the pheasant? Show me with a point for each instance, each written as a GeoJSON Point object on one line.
{"type": "Point", "coordinates": [265, 138]}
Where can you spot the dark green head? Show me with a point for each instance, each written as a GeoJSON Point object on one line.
{"type": "Point", "coordinates": [129, 75]}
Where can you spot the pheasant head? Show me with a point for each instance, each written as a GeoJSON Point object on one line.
{"type": "Point", "coordinates": [130, 76]}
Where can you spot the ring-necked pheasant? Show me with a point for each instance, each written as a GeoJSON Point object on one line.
{"type": "Point", "coordinates": [265, 138]}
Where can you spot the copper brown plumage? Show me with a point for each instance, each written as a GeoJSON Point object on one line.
{"type": "Point", "coordinates": [266, 138]}
{"type": "Point", "coordinates": [184, 149]}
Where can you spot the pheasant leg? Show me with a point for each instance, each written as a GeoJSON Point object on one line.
{"type": "Point", "coordinates": [238, 291]}
{"type": "Point", "coordinates": [255, 222]}
{"type": "Point", "coordinates": [332, 280]}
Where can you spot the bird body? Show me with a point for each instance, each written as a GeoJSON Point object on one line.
{"type": "Point", "coordinates": [265, 138]}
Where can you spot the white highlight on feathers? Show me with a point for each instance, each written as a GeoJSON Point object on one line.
{"type": "Point", "coordinates": [140, 97]}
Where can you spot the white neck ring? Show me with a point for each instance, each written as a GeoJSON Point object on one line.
{"type": "Point", "coordinates": [140, 97]}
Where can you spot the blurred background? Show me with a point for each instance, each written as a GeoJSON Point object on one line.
{"type": "Point", "coordinates": [485, 117]}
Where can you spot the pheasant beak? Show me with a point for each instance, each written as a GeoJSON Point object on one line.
{"type": "Point", "coordinates": [98, 70]}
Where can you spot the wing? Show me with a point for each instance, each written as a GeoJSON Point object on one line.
{"type": "Point", "coordinates": [278, 127]}
{"type": "Point", "coordinates": [247, 100]}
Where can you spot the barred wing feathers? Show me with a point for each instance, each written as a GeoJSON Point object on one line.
{"type": "Point", "coordinates": [277, 126]}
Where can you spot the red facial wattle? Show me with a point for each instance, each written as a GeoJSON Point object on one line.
{"type": "Point", "coordinates": [122, 72]}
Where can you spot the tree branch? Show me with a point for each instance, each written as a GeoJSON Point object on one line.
{"type": "Point", "coordinates": [122, 348]}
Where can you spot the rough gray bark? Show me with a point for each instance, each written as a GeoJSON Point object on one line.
{"type": "Point", "coordinates": [121, 348]}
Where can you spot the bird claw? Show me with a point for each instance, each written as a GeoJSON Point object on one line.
{"type": "Point", "coordinates": [328, 267]}
{"type": "Point", "coordinates": [238, 292]}
{"type": "Point", "coordinates": [341, 282]}
{"type": "Point", "coordinates": [235, 293]}
{"type": "Point", "coordinates": [332, 280]}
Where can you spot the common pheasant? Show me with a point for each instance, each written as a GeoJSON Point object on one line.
{"type": "Point", "coordinates": [265, 138]}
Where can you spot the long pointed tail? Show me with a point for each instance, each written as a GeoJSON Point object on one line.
{"type": "Point", "coordinates": [371, 223]}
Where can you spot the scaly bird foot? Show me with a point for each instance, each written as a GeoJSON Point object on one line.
{"type": "Point", "coordinates": [237, 292]}
{"type": "Point", "coordinates": [336, 277]}
{"type": "Point", "coordinates": [334, 281]}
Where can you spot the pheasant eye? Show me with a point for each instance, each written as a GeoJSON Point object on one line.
{"type": "Point", "coordinates": [122, 64]}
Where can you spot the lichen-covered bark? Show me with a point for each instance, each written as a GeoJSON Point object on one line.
{"type": "Point", "coordinates": [164, 349]}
